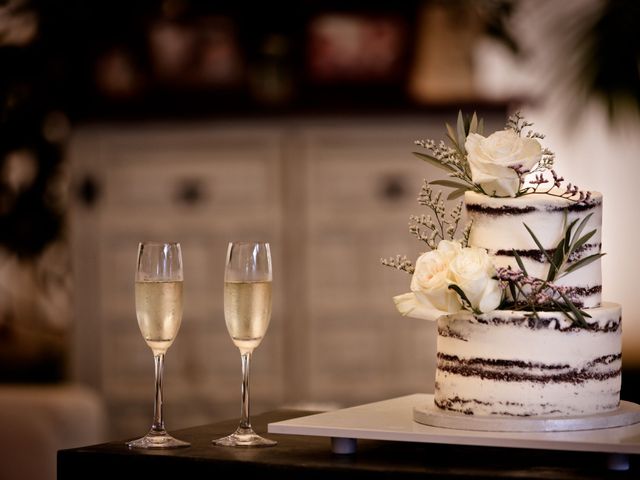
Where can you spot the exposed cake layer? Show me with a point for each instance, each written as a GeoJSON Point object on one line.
{"type": "Point", "coordinates": [506, 363]}
{"type": "Point", "coordinates": [498, 227]}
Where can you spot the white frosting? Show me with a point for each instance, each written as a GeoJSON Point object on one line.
{"type": "Point", "coordinates": [501, 233]}
{"type": "Point", "coordinates": [501, 363]}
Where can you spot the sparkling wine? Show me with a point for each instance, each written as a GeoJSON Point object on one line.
{"type": "Point", "coordinates": [159, 311]}
{"type": "Point", "coordinates": [247, 312]}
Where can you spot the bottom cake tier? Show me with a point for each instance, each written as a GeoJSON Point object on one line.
{"type": "Point", "coordinates": [508, 363]}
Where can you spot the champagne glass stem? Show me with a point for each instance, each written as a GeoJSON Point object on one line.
{"type": "Point", "coordinates": [158, 422]}
{"type": "Point", "coordinates": [245, 421]}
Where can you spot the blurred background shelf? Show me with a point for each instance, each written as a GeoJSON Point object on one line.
{"type": "Point", "coordinates": [184, 58]}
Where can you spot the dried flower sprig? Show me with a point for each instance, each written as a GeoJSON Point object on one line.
{"type": "Point", "coordinates": [517, 123]}
{"type": "Point", "coordinates": [534, 294]}
{"type": "Point", "coordinates": [400, 262]}
{"type": "Point", "coordinates": [431, 228]}
{"type": "Point", "coordinates": [571, 192]}
{"type": "Point", "coordinates": [445, 225]}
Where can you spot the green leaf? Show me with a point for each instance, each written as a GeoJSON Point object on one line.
{"type": "Point", "coordinates": [450, 183]}
{"type": "Point", "coordinates": [583, 224]}
{"type": "Point", "coordinates": [463, 297]}
{"type": "Point", "coordinates": [462, 137]}
{"type": "Point", "coordinates": [558, 260]}
{"type": "Point", "coordinates": [580, 228]}
{"type": "Point", "coordinates": [535, 239]}
{"type": "Point", "coordinates": [433, 161]}
{"type": "Point", "coordinates": [519, 262]}
{"type": "Point", "coordinates": [579, 318]}
{"type": "Point", "coordinates": [583, 262]}
{"type": "Point", "coordinates": [473, 126]}
{"type": "Point", "coordinates": [565, 309]}
{"type": "Point", "coordinates": [580, 242]}
{"type": "Point", "coordinates": [481, 127]}
{"type": "Point", "coordinates": [452, 136]}
{"type": "Point", "coordinates": [567, 236]}
{"type": "Point", "coordinates": [560, 253]}
{"type": "Point", "coordinates": [457, 193]}
{"type": "Point", "coordinates": [514, 295]}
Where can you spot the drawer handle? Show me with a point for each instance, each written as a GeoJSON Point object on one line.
{"type": "Point", "coordinates": [190, 192]}
{"type": "Point", "coordinates": [88, 191]}
{"type": "Point", "coordinates": [393, 188]}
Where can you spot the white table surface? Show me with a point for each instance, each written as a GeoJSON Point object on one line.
{"type": "Point", "coordinates": [393, 420]}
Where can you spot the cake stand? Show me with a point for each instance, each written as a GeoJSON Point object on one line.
{"type": "Point", "coordinates": [395, 420]}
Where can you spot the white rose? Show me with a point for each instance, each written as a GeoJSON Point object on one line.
{"type": "Point", "coordinates": [492, 160]}
{"type": "Point", "coordinates": [409, 306]}
{"type": "Point", "coordinates": [430, 282]}
{"type": "Point", "coordinates": [448, 250]}
{"type": "Point", "coordinates": [473, 270]}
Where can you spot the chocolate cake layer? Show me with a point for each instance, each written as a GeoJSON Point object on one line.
{"type": "Point", "coordinates": [508, 363]}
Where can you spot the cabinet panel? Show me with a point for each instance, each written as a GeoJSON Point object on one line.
{"type": "Point", "coordinates": [363, 186]}
{"type": "Point", "coordinates": [203, 189]}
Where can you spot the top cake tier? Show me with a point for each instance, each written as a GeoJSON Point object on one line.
{"type": "Point", "coordinates": [498, 226]}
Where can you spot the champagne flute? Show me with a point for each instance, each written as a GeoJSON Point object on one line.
{"type": "Point", "coordinates": [247, 313]}
{"type": "Point", "coordinates": [158, 289]}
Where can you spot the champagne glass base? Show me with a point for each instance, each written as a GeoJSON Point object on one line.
{"type": "Point", "coordinates": [157, 440]}
{"type": "Point", "coordinates": [244, 437]}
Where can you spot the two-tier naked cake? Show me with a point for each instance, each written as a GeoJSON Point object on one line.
{"type": "Point", "coordinates": [508, 362]}
{"type": "Point", "coordinates": [522, 328]}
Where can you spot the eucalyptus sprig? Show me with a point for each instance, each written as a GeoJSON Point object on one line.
{"type": "Point", "coordinates": [453, 159]}
{"type": "Point", "coordinates": [570, 242]}
{"type": "Point", "coordinates": [534, 294]}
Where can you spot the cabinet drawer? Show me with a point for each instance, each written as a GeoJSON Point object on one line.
{"type": "Point", "coordinates": [361, 172]}
{"type": "Point", "coordinates": [177, 166]}
{"type": "Point", "coordinates": [166, 180]}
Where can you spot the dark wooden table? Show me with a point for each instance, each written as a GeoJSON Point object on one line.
{"type": "Point", "coordinates": [311, 457]}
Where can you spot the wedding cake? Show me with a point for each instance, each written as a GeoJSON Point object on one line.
{"type": "Point", "coordinates": [522, 329]}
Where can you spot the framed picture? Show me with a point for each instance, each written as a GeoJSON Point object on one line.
{"type": "Point", "coordinates": [356, 48]}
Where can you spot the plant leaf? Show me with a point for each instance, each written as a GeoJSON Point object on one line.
{"type": "Point", "coordinates": [457, 193]}
{"type": "Point", "coordinates": [580, 242]}
{"type": "Point", "coordinates": [462, 136]}
{"type": "Point", "coordinates": [565, 309]}
{"type": "Point", "coordinates": [535, 239]}
{"type": "Point", "coordinates": [463, 297]}
{"type": "Point", "coordinates": [473, 126]}
{"type": "Point", "coordinates": [519, 261]}
{"type": "Point", "coordinates": [514, 295]}
{"type": "Point", "coordinates": [452, 136]}
{"type": "Point", "coordinates": [579, 318]}
{"type": "Point", "coordinates": [583, 262]}
{"type": "Point", "coordinates": [450, 183]}
{"type": "Point", "coordinates": [567, 236]}
{"type": "Point", "coordinates": [583, 224]}
{"type": "Point", "coordinates": [558, 260]}
{"type": "Point", "coordinates": [433, 161]}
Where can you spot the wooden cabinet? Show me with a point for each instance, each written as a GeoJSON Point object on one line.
{"type": "Point", "coordinates": [332, 196]}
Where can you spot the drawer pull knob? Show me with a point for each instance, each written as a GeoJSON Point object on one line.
{"type": "Point", "coordinates": [88, 191]}
{"type": "Point", "coordinates": [393, 188]}
{"type": "Point", "coordinates": [190, 192]}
